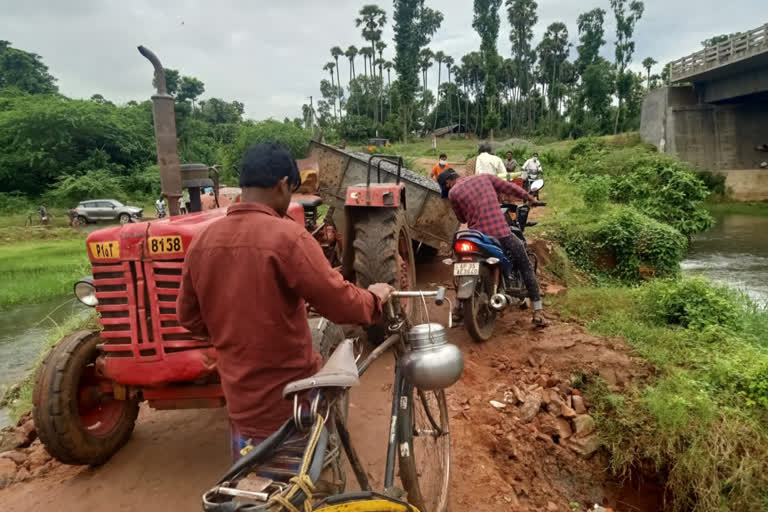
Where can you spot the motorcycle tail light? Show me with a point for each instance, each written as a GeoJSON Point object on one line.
{"type": "Point", "coordinates": [463, 247]}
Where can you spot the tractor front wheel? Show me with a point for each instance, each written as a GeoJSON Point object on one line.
{"type": "Point", "coordinates": [384, 254]}
{"type": "Point", "coordinates": [78, 417]}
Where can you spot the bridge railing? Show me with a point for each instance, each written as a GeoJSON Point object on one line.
{"type": "Point", "coordinates": [736, 48]}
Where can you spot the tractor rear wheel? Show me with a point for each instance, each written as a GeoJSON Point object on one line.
{"type": "Point", "coordinates": [384, 254]}
{"type": "Point", "coordinates": [77, 416]}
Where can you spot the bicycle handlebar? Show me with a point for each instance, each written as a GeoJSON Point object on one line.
{"type": "Point", "coordinates": [438, 294]}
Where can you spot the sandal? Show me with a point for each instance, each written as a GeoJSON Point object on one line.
{"type": "Point", "coordinates": [539, 320]}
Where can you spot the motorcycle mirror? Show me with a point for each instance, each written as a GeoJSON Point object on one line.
{"type": "Point", "coordinates": [537, 185]}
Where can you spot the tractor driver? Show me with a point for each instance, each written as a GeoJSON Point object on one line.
{"type": "Point", "coordinates": [475, 201]}
{"type": "Point", "coordinates": [255, 311]}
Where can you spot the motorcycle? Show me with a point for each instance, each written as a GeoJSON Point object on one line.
{"type": "Point", "coordinates": [530, 179]}
{"type": "Point", "coordinates": [160, 209]}
{"type": "Point", "coordinates": [487, 282]}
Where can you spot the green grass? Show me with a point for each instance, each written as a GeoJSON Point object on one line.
{"type": "Point", "coordinates": [737, 208]}
{"type": "Point", "coordinates": [33, 271]}
{"type": "Point", "coordinates": [456, 149]}
{"type": "Point", "coordinates": [697, 419]}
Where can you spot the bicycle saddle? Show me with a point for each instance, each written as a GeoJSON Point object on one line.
{"type": "Point", "coordinates": [340, 371]}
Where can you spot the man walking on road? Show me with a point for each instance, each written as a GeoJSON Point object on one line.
{"type": "Point", "coordinates": [442, 165]}
{"type": "Point", "coordinates": [474, 199]}
{"type": "Point", "coordinates": [488, 163]}
{"type": "Point", "coordinates": [245, 283]}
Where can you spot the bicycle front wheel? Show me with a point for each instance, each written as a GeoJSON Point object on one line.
{"type": "Point", "coordinates": [425, 449]}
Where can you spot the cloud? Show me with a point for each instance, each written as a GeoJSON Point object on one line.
{"type": "Point", "coordinates": [269, 54]}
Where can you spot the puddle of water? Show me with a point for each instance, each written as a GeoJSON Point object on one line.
{"type": "Point", "coordinates": [23, 333]}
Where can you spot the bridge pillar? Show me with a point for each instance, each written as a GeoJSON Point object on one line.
{"type": "Point", "coordinates": [716, 137]}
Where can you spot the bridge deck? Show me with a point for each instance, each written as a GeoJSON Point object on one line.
{"type": "Point", "coordinates": [736, 49]}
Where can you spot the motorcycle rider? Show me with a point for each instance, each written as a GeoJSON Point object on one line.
{"type": "Point", "coordinates": [255, 312]}
{"type": "Point", "coordinates": [474, 199]}
{"type": "Point", "coordinates": [531, 170]}
{"type": "Point", "coordinates": [160, 208]}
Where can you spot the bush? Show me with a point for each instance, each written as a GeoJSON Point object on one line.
{"type": "Point", "coordinates": [70, 190]}
{"type": "Point", "coordinates": [294, 139]}
{"type": "Point", "coordinates": [693, 303]}
{"type": "Point", "coordinates": [597, 192]}
{"type": "Point", "coordinates": [14, 202]}
{"type": "Point", "coordinates": [622, 243]}
{"type": "Point", "coordinates": [357, 129]}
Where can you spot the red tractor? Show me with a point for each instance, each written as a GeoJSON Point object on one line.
{"type": "Point", "coordinates": [89, 387]}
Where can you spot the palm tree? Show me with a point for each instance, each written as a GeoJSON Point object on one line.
{"type": "Point", "coordinates": [367, 54]}
{"type": "Point", "coordinates": [425, 61]}
{"type": "Point", "coordinates": [337, 52]}
{"type": "Point", "coordinates": [388, 65]}
{"type": "Point", "coordinates": [439, 58]}
{"type": "Point", "coordinates": [380, 47]}
{"type": "Point", "coordinates": [448, 64]}
{"type": "Point", "coordinates": [351, 53]}
{"type": "Point", "coordinates": [330, 66]}
{"type": "Point", "coordinates": [372, 19]}
{"type": "Point", "coordinates": [648, 64]}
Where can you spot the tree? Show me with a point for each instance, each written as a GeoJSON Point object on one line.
{"type": "Point", "coordinates": [425, 62]}
{"type": "Point", "coordinates": [439, 58]}
{"type": "Point", "coordinates": [414, 26]}
{"type": "Point", "coordinates": [330, 66]}
{"type": "Point", "coordinates": [591, 38]}
{"type": "Point", "coordinates": [24, 71]}
{"type": "Point", "coordinates": [598, 82]}
{"type": "Point", "coordinates": [486, 23]}
{"type": "Point", "coordinates": [172, 79]}
{"type": "Point", "coordinates": [448, 66]}
{"type": "Point", "coordinates": [337, 52]}
{"type": "Point", "coordinates": [367, 54]}
{"type": "Point", "coordinates": [372, 19]}
{"type": "Point", "coordinates": [714, 41]}
{"type": "Point", "coordinates": [351, 53]}
{"type": "Point", "coordinates": [522, 17]}
{"type": "Point", "coordinates": [626, 19]}
{"type": "Point", "coordinates": [190, 88]}
{"type": "Point", "coordinates": [553, 51]}
{"type": "Point", "coordinates": [648, 63]}
{"type": "Point", "coordinates": [218, 111]}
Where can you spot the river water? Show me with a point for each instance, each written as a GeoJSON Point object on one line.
{"type": "Point", "coordinates": [734, 252]}
{"type": "Point", "coordinates": [23, 333]}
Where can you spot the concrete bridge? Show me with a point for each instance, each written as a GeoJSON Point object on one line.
{"type": "Point", "coordinates": [716, 113]}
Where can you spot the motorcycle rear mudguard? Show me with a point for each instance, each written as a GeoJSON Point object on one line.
{"type": "Point", "coordinates": [465, 286]}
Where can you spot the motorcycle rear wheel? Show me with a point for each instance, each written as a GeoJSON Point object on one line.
{"type": "Point", "coordinates": [479, 318]}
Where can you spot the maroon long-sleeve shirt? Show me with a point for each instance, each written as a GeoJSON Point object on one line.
{"type": "Point", "coordinates": [475, 201]}
{"type": "Point", "coordinates": [245, 282]}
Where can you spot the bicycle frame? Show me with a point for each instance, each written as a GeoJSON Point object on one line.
{"type": "Point", "coordinates": [401, 392]}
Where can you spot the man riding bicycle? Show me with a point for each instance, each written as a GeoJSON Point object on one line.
{"type": "Point", "coordinates": [246, 281]}
{"type": "Point", "coordinates": [474, 199]}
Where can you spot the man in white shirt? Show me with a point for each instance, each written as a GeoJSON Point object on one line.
{"type": "Point", "coordinates": [532, 166]}
{"type": "Point", "coordinates": [488, 163]}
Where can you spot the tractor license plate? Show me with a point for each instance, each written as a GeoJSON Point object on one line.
{"type": "Point", "coordinates": [165, 244]}
{"type": "Point", "coordinates": [466, 269]}
{"type": "Point", "coordinates": [105, 250]}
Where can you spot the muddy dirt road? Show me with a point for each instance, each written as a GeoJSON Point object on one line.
{"type": "Point", "coordinates": [500, 461]}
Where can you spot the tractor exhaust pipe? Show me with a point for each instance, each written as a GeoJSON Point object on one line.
{"type": "Point", "coordinates": [165, 135]}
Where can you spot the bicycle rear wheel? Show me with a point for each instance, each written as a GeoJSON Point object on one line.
{"type": "Point", "coordinates": [425, 449]}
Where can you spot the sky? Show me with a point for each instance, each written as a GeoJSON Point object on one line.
{"type": "Point", "coordinates": [269, 54]}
